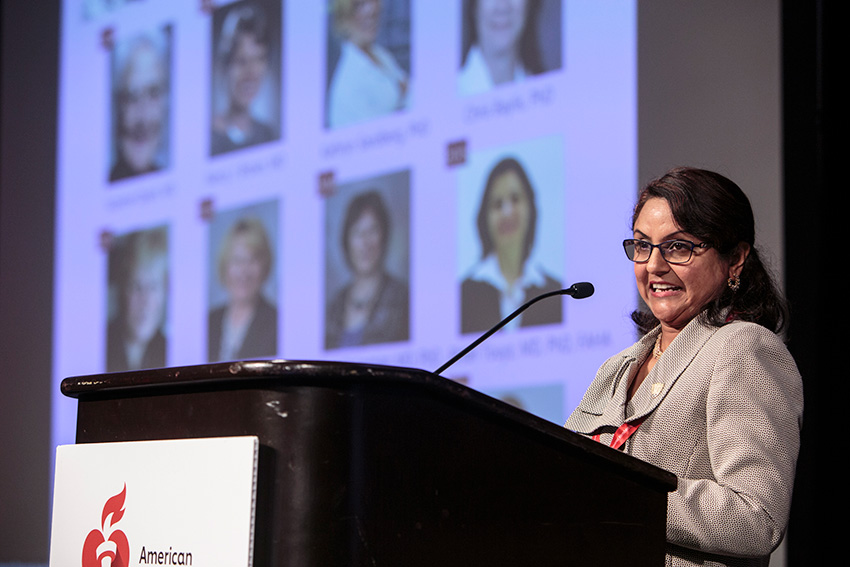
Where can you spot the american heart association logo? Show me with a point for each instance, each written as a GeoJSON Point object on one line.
{"type": "Point", "coordinates": [108, 547]}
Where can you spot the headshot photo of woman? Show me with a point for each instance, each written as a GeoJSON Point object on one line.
{"type": "Point", "coordinates": [140, 104]}
{"type": "Point", "coordinates": [367, 81]}
{"type": "Point", "coordinates": [245, 324]}
{"type": "Point", "coordinates": [505, 41]}
{"type": "Point", "coordinates": [138, 289]}
{"type": "Point", "coordinates": [372, 306]}
{"type": "Point", "coordinates": [505, 276]}
{"type": "Point", "coordinates": [246, 90]}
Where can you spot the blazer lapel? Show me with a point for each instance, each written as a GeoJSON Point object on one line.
{"type": "Point", "coordinates": [604, 402]}
{"type": "Point", "coordinates": [676, 359]}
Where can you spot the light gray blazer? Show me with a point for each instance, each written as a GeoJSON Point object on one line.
{"type": "Point", "coordinates": [723, 411]}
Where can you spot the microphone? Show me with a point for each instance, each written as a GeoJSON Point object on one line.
{"type": "Point", "coordinates": [577, 291]}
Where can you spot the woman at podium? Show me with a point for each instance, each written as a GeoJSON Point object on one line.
{"type": "Point", "coordinates": [710, 391]}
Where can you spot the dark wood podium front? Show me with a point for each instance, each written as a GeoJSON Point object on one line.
{"type": "Point", "coordinates": [379, 466]}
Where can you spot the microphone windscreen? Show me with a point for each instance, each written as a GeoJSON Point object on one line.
{"type": "Point", "coordinates": [582, 290]}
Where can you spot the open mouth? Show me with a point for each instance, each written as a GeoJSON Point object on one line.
{"type": "Point", "coordinates": [662, 287]}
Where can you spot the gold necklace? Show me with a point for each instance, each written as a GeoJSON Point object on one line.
{"type": "Point", "coordinates": [656, 350]}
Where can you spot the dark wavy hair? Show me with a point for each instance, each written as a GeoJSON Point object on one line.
{"type": "Point", "coordinates": [529, 47]}
{"type": "Point", "coordinates": [369, 201]}
{"type": "Point", "coordinates": [507, 165]}
{"type": "Point", "coordinates": [715, 210]}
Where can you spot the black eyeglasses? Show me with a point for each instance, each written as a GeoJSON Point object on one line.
{"type": "Point", "coordinates": [673, 251]}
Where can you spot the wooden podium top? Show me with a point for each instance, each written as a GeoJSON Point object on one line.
{"type": "Point", "coordinates": [278, 374]}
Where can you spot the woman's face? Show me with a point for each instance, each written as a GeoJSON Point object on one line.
{"type": "Point", "coordinates": [499, 24]}
{"type": "Point", "coordinates": [675, 293]}
{"type": "Point", "coordinates": [362, 26]}
{"type": "Point", "coordinates": [508, 212]}
{"type": "Point", "coordinates": [246, 70]}
{"type": "Point", "coordinates": [365, 244]}
{"type": "Point", "coordinates": [244, 271]}
{"type": "Point", "coordinates": [145, 299]}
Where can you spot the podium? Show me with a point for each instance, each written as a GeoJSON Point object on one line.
{"type": "Point", "coordinates": [364, 465]}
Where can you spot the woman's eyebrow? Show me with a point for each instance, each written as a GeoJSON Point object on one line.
{"type": "Point", "coordinates": [679, 234]}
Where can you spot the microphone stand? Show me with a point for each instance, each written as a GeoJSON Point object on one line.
{"type": "Point", "coordinates": [578, 291]}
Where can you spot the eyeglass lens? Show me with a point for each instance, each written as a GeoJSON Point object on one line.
{"type": "Point", "coordinates": [673, 251]}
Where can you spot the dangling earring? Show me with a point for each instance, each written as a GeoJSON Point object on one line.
{"type": "Point", "coordinates": [734, 282]}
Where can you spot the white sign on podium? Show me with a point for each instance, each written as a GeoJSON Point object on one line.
{"type": "Point", "coordinates": [151, 503]}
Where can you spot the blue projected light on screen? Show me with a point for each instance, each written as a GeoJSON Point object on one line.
{"type": "Point", "coordinates": [373, 182]}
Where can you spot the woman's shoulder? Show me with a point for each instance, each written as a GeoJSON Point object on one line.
{"type": "Point", "coordinates": [217, 313]}
{"type": "Point", "coordinates": [755, 353]}
{"type": "Point", "coordinates": [382, 52]}
{"type": "Point", "coordinates": [259, 133]}
{"type": "Point", "coordinates": [550, 283]}
{"type": "Point", "coordinates": [350, 58]}
{"type": "Point", "coordinates": [746, 335]}
{"type": "Point", "coordinates": [336, 301]}
{"type": "Point", "coordinates": [394, 288]}
{"type": "Point", "coordinates": [473, 77]}
{"type": "Point", "coordinates": [266, 308]}
{"type": "Point", "coordinates": [473, 285]}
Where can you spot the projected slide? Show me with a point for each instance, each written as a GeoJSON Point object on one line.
{"type": "Point", "coordinates": [355, 180]}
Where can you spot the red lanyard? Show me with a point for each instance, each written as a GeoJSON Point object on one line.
{"type": "Point", "coordinates": [623, 433]}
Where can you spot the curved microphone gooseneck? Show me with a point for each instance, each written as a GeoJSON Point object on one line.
{"type": "Point", "coordinates": [577, 291]}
